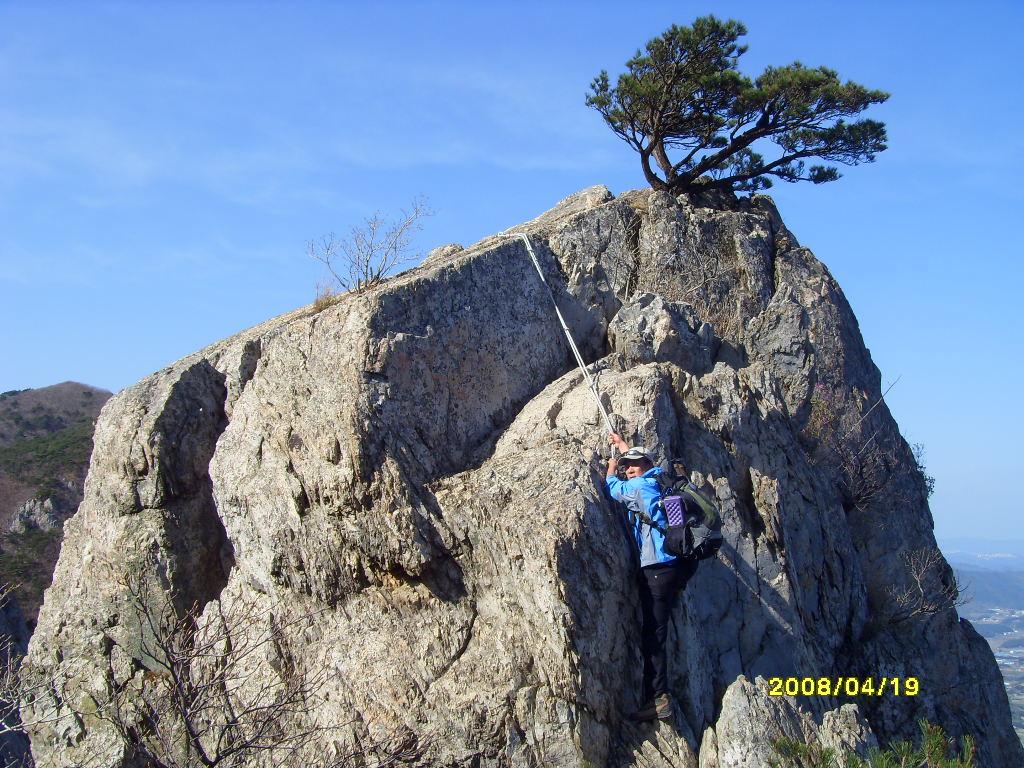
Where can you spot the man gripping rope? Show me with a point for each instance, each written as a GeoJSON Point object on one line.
{"type": "Point", "coordinates": [661, 575]}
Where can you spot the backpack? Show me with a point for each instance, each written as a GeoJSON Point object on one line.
{"type": "Point", "coordinates": [703, 522]}
{"type": "Point", "coordinates": [678, 536]}
{"type": "Point", "coordinates": [694, 526]}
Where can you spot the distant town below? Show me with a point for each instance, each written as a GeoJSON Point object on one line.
{"type": "Point", "coordinates": [991, 575]}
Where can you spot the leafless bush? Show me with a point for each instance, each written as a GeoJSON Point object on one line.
{"type": "Point", "coordinates": [710, 280]}
{"type": "Point", "coordinates": [862, 451]}
{"type": "Point", "coordinates": [372, 251]}
{"type": "Point", "coordinates": [211, 686]}
{"type": "Point", "coordinates": [207, 686]}
{"type": "Point", "coordinates": [929, 482]}
{"type": "Point", "coordinates": [931, 586]}
{"type": "Point", "coordinates": [16, 687]}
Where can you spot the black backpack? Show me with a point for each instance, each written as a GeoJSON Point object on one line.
{"type": "Point", "coordinates": [703, 523]}
{"type": "Point", "coordinates": [694, 524]}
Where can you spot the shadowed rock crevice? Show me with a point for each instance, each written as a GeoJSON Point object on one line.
{"type": "Point", "coordinates": [185, 437]}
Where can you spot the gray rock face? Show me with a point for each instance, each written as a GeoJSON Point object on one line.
{"type": "Point", "coordinates": [36, 514]}
{"type": "Point", "coordinates": [419, 468]}
{"type": "Point", "coordinates": [649, 329]}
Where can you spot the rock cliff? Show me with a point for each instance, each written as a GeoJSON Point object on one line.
{"type": "Point", "coordinates": [417, 470]}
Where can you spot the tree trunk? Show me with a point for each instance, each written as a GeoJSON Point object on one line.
{"type": "Point", "coordinates": [663, 162]}
{"type": "Point", "coordinates": [652, 178]}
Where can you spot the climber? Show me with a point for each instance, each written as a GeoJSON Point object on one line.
{"type": "Point", "coordinates": [661, 575]}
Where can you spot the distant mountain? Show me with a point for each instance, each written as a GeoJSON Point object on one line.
{"type": "Point", "coordinates": [972, 554]}
{"type": "Point", "coordinates": [990, 589]}
{"type": "Point", "coordinates": [45, 444]}
{"type": "Point", "coordinates": [31, 413]}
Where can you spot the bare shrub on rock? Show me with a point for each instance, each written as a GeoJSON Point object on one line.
{"type": "Point", "coordinates": [16, 687]}
{"type": "Point", "coordinates": [212, 685]}
{"type": "Point", "coordinates": [710, 280]}
{"type": "Point", "coordinates": [863, 454]}
{"type": "Point", "coordinates": [931, 586]}
{"type": "Point", "coordinates": [870, 467]}
{"type": "Point", "coordinates": [371, 252]}
{"type": "Point", "coordinates": [226, 685]}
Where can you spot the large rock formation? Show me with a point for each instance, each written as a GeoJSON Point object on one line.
{"type": "Point", "coordinates": [417, 471]}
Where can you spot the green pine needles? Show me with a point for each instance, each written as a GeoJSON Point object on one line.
{"type": "Point", "coordinates": [935, 751]}
{"type": "Point", "coordinates": [693, 117]}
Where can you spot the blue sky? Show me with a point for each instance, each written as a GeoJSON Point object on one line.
{"type": "Point", "coordinates": [162, 166]}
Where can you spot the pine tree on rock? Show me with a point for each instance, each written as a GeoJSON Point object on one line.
{"type": "Point", "coordinates": [685, 98]}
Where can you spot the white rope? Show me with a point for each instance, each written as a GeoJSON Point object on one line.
{"type": "Point", "coordinates": [575, 350]}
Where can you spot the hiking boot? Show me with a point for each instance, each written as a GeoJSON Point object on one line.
{"type": "Point", "coordinates": [659, 707]}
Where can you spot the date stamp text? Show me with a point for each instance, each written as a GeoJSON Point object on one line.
{"type": "Point", "coordinates": [843, 686]}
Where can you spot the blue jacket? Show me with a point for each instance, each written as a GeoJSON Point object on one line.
{"type": "Point", "coordinates": [641, 494]}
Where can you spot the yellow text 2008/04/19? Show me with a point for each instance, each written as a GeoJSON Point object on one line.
{"type": "Point", "coordinates": [843, 686]}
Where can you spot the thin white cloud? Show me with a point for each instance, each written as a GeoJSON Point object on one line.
{"type": "Point", "coordinates": [52, 146]}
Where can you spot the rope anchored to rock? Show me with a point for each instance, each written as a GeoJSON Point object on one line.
{"type": "Point", "coordinates": [591, 382]}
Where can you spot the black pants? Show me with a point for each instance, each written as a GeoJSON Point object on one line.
{"type": "Point", "coordinates": [659, 585]}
